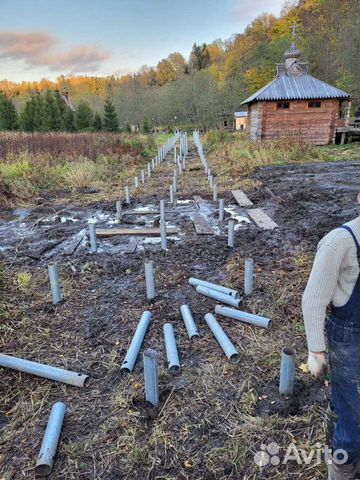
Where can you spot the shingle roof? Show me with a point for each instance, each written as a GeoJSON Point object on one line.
{"type": "Point", "coordinates": [240, 114]}
{"type": "Point", "coordinates": [301, 87]}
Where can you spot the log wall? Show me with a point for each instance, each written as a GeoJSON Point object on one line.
{"type": "Point", "coordinates": [299, 122]}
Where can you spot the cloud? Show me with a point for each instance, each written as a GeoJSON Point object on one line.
{"type": "Point", "coordinates": [44, 50]}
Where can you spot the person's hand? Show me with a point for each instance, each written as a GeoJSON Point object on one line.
{"type": "Point", "coordinates": [316, 363]}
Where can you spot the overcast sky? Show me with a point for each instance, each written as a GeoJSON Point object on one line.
{"type": "Point", "coordinates": [47, 38]}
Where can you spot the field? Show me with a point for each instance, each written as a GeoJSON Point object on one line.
{"type": "Point", "coordinates": [214, 416]}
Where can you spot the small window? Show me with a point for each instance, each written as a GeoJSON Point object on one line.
{"type": "Point", "coordinates": [283, 105]}
{"type": "Point", "coordinates": [314, 104]}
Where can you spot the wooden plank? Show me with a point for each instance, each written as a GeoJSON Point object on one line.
{"type": "Point", "coordinates": [197, 199]}
{"type": "Point", "coordinates": [241, 198]}
{"type": "Point", "coordinates": [262, 219]}
{"type": "Point", "coordinates": [201, 225]}
{"type": "Point", "coordinates": [144, 232]}
{"type": "Point", "coordinates": [137, 212]}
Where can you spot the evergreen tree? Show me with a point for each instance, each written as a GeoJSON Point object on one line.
{"type": "Point", "coordinates": [97, 122]}
{"type": "Point", "coordinates": [27, 122]}
{"type": "Point", "coordinates": [38, 113]}
{"type": "Point", "coordinates": [69, 120]}
{"type": "Point", "coordinates": [146, 126]}
{"type": "Point", "coordinates": [8, 114]}
{"type": "Point", "coordinates": [83, 116]}
{"type": "Point", "coordinates": [111, 122]}
{"type": "Point", "coordinates": [52, 115]}
{"type": "Point", "coordinates": [62, 107]}
{"type": "Point", "coordinates": [127, 127]}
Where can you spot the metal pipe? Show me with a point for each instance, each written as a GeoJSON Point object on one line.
{"type": "Point", "coordinates": [149, 280]}
{"type": "Point", "coordinates": [136, 342]}
{"type": "Point", "coordinates": [118, 210]}
{"type": "Point", "coordinates": [215, 192]}
{"type": "Point", "coordinates": [149, 170]}
{"type": "Point", "coordinates": [219, 288]}
{"type": "Point", "coordinates": [171, 350]}
{"type": "Point", "coordinates": [175, 156]}
{"type": "Point", "coordinates": [151, 377]}
{"type": "Point", "coordinates": [174, 184]}
{"type": "Point", "coordinates": [136, 182]}
{"type": "Point", "coordinates": [45, 371]}
{"type": "Point", "coordinates": [231, 233]}
{"type": "Point", "coordinates": [190, 325]}
{"type": "Point", "coordinates": [54, 283]}
{"type": "Point", "coordinates": [92, 233]}
{"type": "Point", "coordinates": [163, 234]}
{"type": "Point", "coordinates": [243, 316]}
{"type": "Point", "coordinates": [210, 179]}
{"type": "Point", "coordinates": [162, 210]}
{"type": "Point", "coordinates": [45, 461]}
{"type": "Point", "coordinates": [153, 164]}
{"type": "Point", "coordinates": [172, 194]}
{"type": "Point", "coordinates": [221, 297]}
{"type": "Point", "coordinates": [221, 209]}
{"type": "Point", "coordinates": [249, 276]}
{"type": "Point", "coordinates": [142, 176]}
{"type": "Point", "coordinates": [287, 371]}
{"type": "Point", "coordinates": [180, 168]}
{"type": "Point", "coordinates": [221, 337]}
{"type": "Point", "coordinates": [127, 195]}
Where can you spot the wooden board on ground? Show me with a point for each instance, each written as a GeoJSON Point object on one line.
{"type": "Point", "coordinates": [144, 232]}
{"type": "Point", "coordinates": [241, 198]}
{"type": "Point", "coordinates": [197, 199]}
{"type": "Point", "coordinates": [262, 219]}
{"type": "Point", "coordinates": [202, 226]}
{"type": "Point", "coordinates": [139, 212]}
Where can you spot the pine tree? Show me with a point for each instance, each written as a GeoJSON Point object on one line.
{"type": "Point", "coordinates": [62, 107]}
{"type": "Point", "coordinates": [146, 126]}
{"type": "Point", "coordinates": [38, 112]}
{"type": "Point", "coordinates": [52, 116]}
{"type": "Point", "coordinates": [69, 120]}
{"type": "Point", "coordinates": [27, 122]}
{"type": "Point", "coordinates": [111, 122]}
{"type": "Point", "coordinates": [83, 116]}
{"type": "Point", "coordinates": [97, 122]}
{"type": "Point", "coordinates": [8, 114]}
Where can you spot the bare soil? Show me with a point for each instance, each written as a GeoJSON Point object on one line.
{"type": "Point", "coordinates": [215, 415]}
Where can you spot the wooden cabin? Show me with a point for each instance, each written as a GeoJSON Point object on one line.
{"type": "Point", "coordinates": [296, 105]}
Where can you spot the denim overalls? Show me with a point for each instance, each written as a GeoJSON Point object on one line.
{"type": "Point", "coordinates": [344, 354]}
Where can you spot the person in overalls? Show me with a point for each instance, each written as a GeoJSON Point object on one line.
{"type": "Point", "coordinates": [335, 280]}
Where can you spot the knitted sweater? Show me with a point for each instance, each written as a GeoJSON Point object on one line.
{"type": "Point", "coordinates": [332, 279]}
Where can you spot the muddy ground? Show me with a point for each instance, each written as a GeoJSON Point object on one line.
{"type": "Point", "coordinates": [214, 416]}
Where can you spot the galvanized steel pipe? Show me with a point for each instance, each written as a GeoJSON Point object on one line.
{"type": "Point", "coordinates": [287, 371]}
{"type": "Point", "coordinates": [190, 325]}
{"type": "Point", "coordinates": [221, 209]}
{"type": "Point", "coordinates": [136, 342]}
{"type": "Point", "coordinates": [92, 233]}
{"type": "Point", "coordinates": [243, 316]}
{"type": "Point", "coordinates": [249, 276]}
{"type": "Point", "coordinates": [45, 371]}
{"type": "Point", "coordinates": [219, 288]}
{"type": "Point", "coordinates": [221, 297]}
{"type": "Point", "coordinates": [54, 283]}
{"type": "Point", "coordinates": [223, 340]}
{"type": "Point", "coordinates": [150, 280]}
{"type": "Point", "coordinates": [127, 195]}
{"type": "Point", "coordinates": [231, 233]}
{"type": "Point", "coordinates": [171, 350]}
{"type": "Point", "coordinates": [45, 461]}
{"type": "Point", "coordinates": [118, 210]}
{"type": "Point", "coordinates": [151, 377]}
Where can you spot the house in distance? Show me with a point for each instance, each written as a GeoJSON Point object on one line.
{"type": "Point", "coordinates": [297, 105]}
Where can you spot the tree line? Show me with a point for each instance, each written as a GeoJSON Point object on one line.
{"type": "Point", "coordinates": [217, 77]}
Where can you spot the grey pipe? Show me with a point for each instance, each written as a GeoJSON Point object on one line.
{"type": "Point", "coordinates": [174, 184]}
{"type": "Point", "coordinates": [152, 164]}
{"type": "Point", "coordinates": [136, 342]}
{"type": "Point", "coordinates": [45, 371]}
{"type": "Point", "coordinates": [190, 325]}
{"type": "Point", "coordinates": [221, 337]}
{"type": "Point", "coordinates": [45, 461]}
{"type": "Point", "coordinates": [221, 209]}
{"type": "Point", "coordinates": [151, 377]}
{"type": "Point", "coordinates": [231, 233]}
{"type": "Point", "coordinates": [118, 210]}
{"type": "Point", "coordinates": [127, 195]}
{"type": "Point", "coordinates": [243, 316]}
{"type": "Point", "coordinates": [149, 170]}
{"type": "Point", "coordinates": [175, 156]}
{"type": "Point", "coordinates": [287, 371]}
{"type": "Point", "coordinates": [249, 276]}
{"type": "Point", "coordinates": [172, 194]}
{"type": "Point", "coordinates": [142, 176]}
{"type": "Point", "coordinates": [163, 235]}
{"type": "Point", "coordinates": [54, 283]}
{"type": "Point", "coordinates": [149, 280]}
{"type": "Point", "coordinates": [215, 192]}
{"type": "Point", "coordinates": [92, 234]}
{"type": "Point", "coordinates": [162, 210]}
{"type": "Point", "coordinates": [171, 350]}
{"type": "Point", "coordinates": [219, 288]}
{"type": "Point", "coordinates": [221, 297]}
{"type": "Point", "coordinates": [136, 182]}
{"type": "Point", "coordinates": [211, 181]}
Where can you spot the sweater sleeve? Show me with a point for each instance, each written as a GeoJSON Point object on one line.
{"type": "Point", "coordinates": [318, 294]}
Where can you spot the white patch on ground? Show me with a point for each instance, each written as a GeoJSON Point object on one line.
{"type": "Point", "coordinates": [236, 216]}
{"type": "Point", "coordinates": [68, 219]}
{"type": "Point", "coordinates": [184, 202]}
{"type": "Point", "coordinates": [147, 208]}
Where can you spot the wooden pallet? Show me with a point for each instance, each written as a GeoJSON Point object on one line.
{"type": "Point", "coordinates": [241, 198]}
{"type": "Point", "coordinates": [262, 219]}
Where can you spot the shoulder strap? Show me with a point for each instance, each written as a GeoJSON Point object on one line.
{"type": "Point", "coordinates": [345, 227]}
